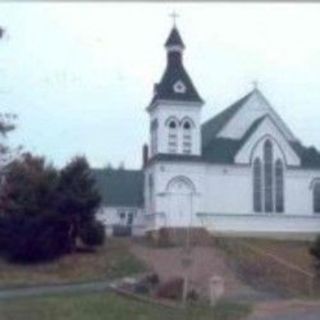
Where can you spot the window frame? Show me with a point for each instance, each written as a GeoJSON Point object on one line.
{"type": "Point", "coordinates": [316, 197]}
{"type": "Point", "coordinates": [269, 190]}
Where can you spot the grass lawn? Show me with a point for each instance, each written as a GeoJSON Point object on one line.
{"type": "Point", "coordinates": [295, 252]}
{"type": "Point", "coordinates": [292, 251]}
{"type": "Point", "coordinates": [112, 260]}
{"type": "Point", "coordinates": [281, 266]}
{"type": "Point", "coordinates": [109, 306]}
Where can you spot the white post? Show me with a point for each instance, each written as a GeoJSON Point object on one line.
{"type": "Point", "coordinates": [187, 259]}
{"type": "Point", "coordinates": [216, 289]}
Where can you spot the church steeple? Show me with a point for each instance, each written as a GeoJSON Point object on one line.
{"type": "Point", "coordinates": [174, 41]}
{"type": "Point", "coordinates": [175, 84]}
{"type": "Point", "coordinates": [174, 46]}
{"type": "Point", "coordinates": [175, 109]}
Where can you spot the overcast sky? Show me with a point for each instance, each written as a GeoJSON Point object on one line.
{"type": "Point", "coordinates": [80, 75]}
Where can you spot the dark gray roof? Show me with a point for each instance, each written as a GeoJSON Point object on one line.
{"type": "Point", "coordinates": [309, 156]}
{"type": "Point", "coordinates": [174, 38]}
{"type": "Point", "coordinates": [174, 72]}
{"type": "Point", "coordinates": [223, 150]}
{"type": "Point", "coordinates": [214, 125]}
{"type": "Point", "coordinates": [164, 90]}
{"type": "Point", "coordinates": [120, 187]}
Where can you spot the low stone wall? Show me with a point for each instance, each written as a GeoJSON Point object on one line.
{"type": "Point", "coordinates": [179, 237]}
{"type": "Point", "coordinates": [277, 226]}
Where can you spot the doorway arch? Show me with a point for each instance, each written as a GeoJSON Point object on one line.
{"type": "Point", "coordinates": [180, 191]}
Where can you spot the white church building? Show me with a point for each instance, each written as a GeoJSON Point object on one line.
{"type": "Point", "coordinates": [242, 171]}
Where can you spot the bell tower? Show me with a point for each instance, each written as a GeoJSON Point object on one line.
{"type": "Point", "coordinates": [175, 108]}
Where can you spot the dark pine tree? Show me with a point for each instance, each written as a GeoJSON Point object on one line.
{"type": "Point", "coordinates": [78, 198]}
{"type": "Point", "coordinates": [29, 187]}
{"type": "Point", "coordinates": [31, 229]}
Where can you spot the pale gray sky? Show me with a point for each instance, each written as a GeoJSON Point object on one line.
{"type": "Point", "coordinates": [79, 75]}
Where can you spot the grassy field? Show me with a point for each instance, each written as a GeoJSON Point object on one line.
{"type": "Point", "coordinates": [295, 252]}
{"type": "Point", "coordinates": [108, 306]}
{"type": "Point", "coordinates": [112, 260]}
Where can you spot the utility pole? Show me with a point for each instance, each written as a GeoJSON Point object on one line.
{"type": "Point", "coordinates": [187, 258]}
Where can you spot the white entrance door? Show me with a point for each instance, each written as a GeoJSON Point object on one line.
{"type": "Point", "coordinates": [180, 197]}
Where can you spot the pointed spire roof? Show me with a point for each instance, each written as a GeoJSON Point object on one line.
{"type": "Point", "coordinates": [174, 39]}
{"type": "Point", "coordinates": [175, 84]}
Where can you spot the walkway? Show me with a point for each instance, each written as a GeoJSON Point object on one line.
{"type": "Point", "coordinates": [206, 262]}
{"type": "Point", "coordinates": [94, 286]}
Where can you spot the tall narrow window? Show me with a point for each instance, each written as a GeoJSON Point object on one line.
{"type": "Point", "coordinates": [268, 176]}
{"type": "Point", "coordinates": [154, 136]}
{"type": "Point", "coordinates": [187, 138]}
{"type": "Point", "coordinates": [279, 186]}
{"type": "Point", "coordinates": [257, 185]}
{"type": "Point", "coordinates": [151, 186]}
{"type": "Point", "coordinates": [173, 137]}
{"type": "Point", "coordinates": [268, 182]}
{"type": "Point", "coordinates": [316, 198]}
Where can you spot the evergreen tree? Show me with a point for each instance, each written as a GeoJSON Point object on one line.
{"type": "Point", "coordinates": [30, 228]}
{"type": "Point", "coordinates": [78, 199]}
{"type": "Point", "coordinates": [29, 188]}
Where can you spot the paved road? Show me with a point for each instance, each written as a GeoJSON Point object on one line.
{"type": "Point", "coordinates": [54, 289]}
{"type": "Point", "coordinates": [312, 313]}
{"type": "Point", "coordinates": [305, 315]}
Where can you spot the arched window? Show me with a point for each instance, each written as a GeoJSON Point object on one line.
{"type": "Point", "coordinates": [187, 125]}
{"type": "Point", "coordinates": [279, 186]}
{"type": "Point", "coordinates": [257, 185]}
{"type": "Point", "coordinates": [187, 137]}
{"type": "Point", "coordinates": [172, 136]}
{"type": "Point", "coordinates": [268, 176]}
{"type": "Point", "coordinates": [316, 197]}
{"type": "Point", "coordinates": [268, 182]}
{"type": "Point", "coordinates": [172, 124]}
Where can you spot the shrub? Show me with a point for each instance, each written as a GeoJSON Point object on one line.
{"type": "Point", "coordinates": [153, 279]}
{"type": "Point", "coordinates": [193, 296]}
{"type": "Point", "coordinates": [141, 288]}
{"type": "Point", "coordinates": [93, 234]}
{"type": "Point", "coordinates": [172, 289]}
{"type": "Point", "coordinates": [35, 239]}
{"type": "Point", "coordinates": [3, 235]}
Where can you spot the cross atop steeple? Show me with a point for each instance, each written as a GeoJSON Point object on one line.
{"type": "Point", "coordinates": [174, 17]}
